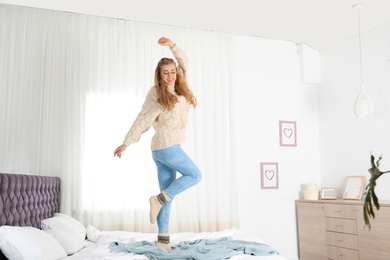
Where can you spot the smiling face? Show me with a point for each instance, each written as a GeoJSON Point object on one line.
{"type": "Point", "coordinates": [168, 73]}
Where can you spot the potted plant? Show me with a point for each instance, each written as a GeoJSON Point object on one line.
{"type": "Point", "coordinates": [370, 196]}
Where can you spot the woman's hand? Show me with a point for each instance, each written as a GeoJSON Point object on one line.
{"type": "Point", "coordinates": [166, 42]}
{"type": "Point", "coordinates": [119, 150]}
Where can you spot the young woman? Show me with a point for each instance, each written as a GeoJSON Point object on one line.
{"type": "Point", "coordinates": [166, 109]}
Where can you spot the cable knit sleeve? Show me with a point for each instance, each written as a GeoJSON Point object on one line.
{"type": "Point", "coordinates": [181, 58]}
{"type": "Point", "coordinates": [145, 119]}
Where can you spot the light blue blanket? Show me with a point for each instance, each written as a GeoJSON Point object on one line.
{"type": "Point", "coordinates": [202, 249]}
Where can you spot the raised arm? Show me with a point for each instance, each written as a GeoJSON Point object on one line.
{"type": "Point", "coordinates": [179, 54]}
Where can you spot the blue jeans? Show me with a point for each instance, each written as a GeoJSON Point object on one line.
{"type": "Point", "coordinates": [169, 161]}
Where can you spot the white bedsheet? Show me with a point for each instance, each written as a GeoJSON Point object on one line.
{"type": "Point", "coordinates": [98, 241]}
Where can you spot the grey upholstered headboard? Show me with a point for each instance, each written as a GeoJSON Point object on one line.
{"type": "Point", "coordinates": [27, 199]}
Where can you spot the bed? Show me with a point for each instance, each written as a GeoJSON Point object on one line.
{"type": "Point", "coordinates": [31, 227]}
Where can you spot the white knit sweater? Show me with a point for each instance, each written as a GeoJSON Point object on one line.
{"type": "Point", "coordinates": [169, 125]}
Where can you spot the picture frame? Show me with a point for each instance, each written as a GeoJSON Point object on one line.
{"type": "Point", "coordinates": [353, 189]}
{"type": "Point", "coordinates": [287, 133]}
{"type": "Point", "coordinates": [328, 194]}
{"type": "Point", "coordinates": [269, 175]}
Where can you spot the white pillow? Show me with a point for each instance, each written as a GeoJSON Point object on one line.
{"type": "Point", "coordinates": [19, 243]}
{"type": "Point", "coordinates": [69, 241]}
{"type": "Point", "coordinates": [66, 223]}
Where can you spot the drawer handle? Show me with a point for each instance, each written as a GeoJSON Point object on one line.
{"type": "Point", "coordinates": [340, 240]}
{"type": "Point", "coordinates": [339, 225]}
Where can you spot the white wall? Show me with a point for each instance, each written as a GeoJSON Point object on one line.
{"type": "Point", "coordinates": [345, 141]}
{"type": "Point", "coordinates": [269, 90]}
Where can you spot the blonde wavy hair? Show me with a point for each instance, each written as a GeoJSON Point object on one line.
{"type": "Point", "coordinates": [164, 97]}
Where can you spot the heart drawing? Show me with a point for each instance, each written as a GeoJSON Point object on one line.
{"type": "Point", "coordinates": [269, 174]}
{"type": "Point", "coordinates": [288, 132]}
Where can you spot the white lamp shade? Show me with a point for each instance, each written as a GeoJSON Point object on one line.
{"type": "Point", "coordinates": [363, 107]}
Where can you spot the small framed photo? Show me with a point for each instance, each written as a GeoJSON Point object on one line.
{"type": "Point", "coordinates": [269, 175]}
{"type": "Point", "coordinates": [354, 187]}
{"type": "Point", "coordinates": [328, 194]}
{"type": "Point", "coordinates": [288, 133]}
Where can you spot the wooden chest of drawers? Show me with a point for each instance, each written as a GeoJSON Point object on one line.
{"type": "Point", "coordinates": [341, 232]}
{"type": "Point", "coordinates": [335, 230]}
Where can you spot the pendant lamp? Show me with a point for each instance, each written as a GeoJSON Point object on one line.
{"type": "Point", "coordinates": [363, 106]}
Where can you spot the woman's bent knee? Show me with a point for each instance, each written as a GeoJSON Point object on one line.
{"type": "Point", "coordinates": [197, 177]}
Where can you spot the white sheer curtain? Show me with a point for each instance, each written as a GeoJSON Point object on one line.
{"type": "Point", "coordinates": [70, 87]}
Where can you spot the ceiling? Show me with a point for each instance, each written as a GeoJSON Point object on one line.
{"type": "Point", "coordinates": [320, 24]}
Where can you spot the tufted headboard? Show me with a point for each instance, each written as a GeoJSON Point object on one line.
{"type": "Point", "coordinates": [27, 199]}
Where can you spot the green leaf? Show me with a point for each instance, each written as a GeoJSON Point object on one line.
{"type": "Point", "coordinates": [375, 199]}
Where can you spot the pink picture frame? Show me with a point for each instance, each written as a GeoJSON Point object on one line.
{"type": "Point", "coordinates": [269, 173]}
{"type": "Point", "coordinates": [288, 133]}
